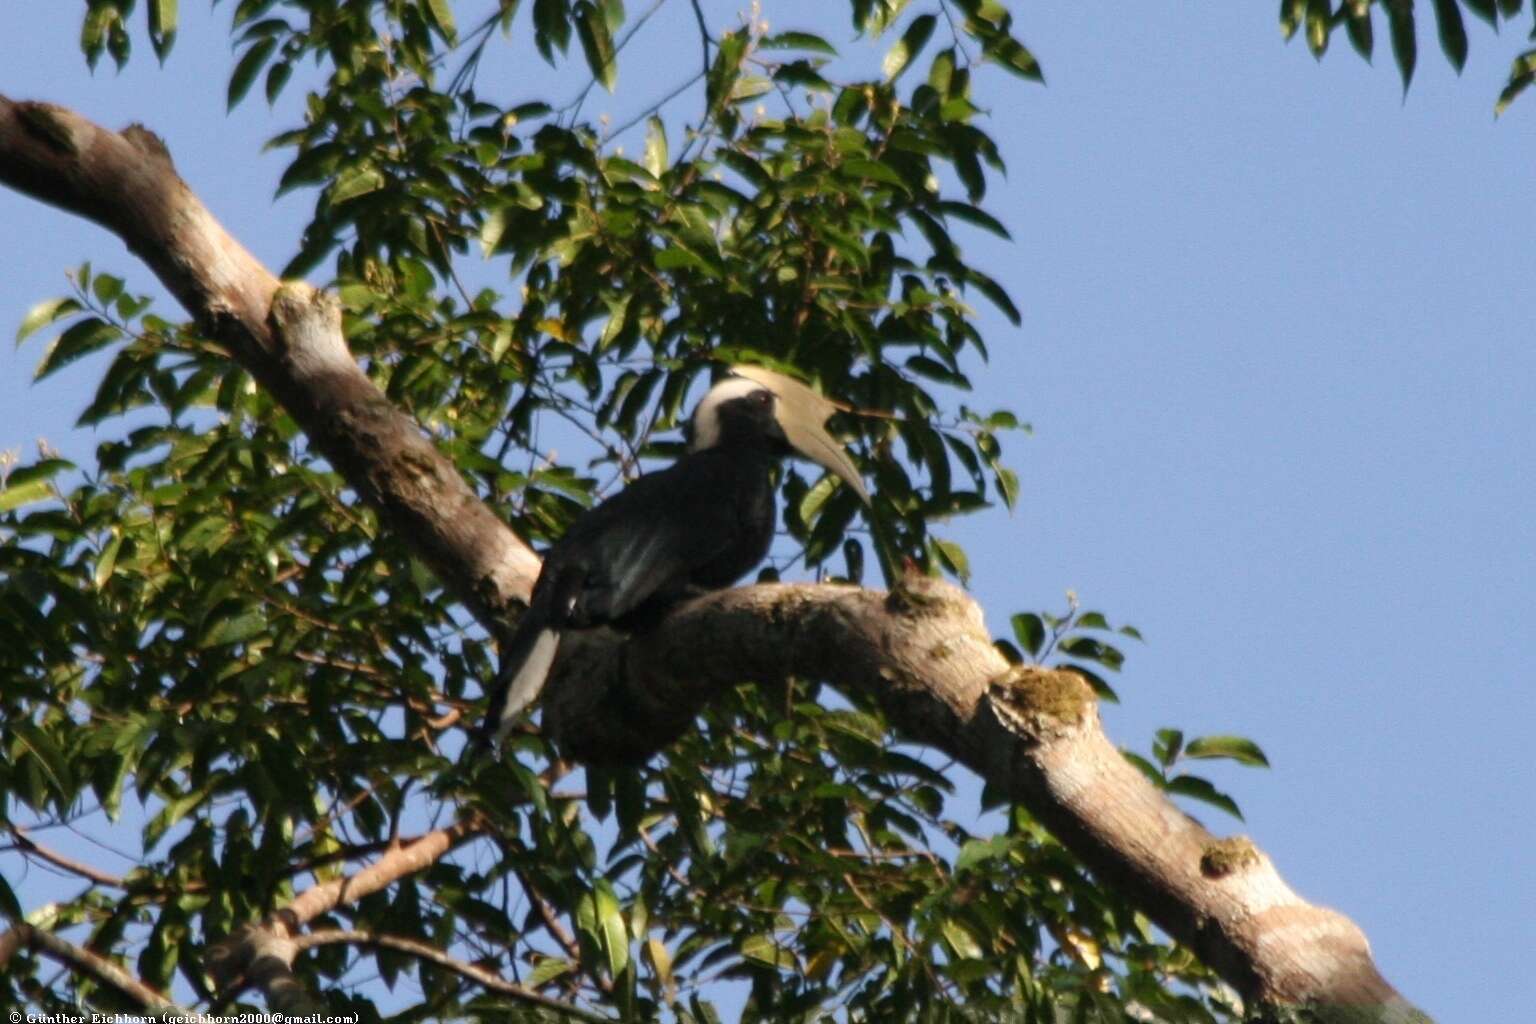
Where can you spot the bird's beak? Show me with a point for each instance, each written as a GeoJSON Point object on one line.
{"type": "Point", "coordinates": [802, 414]}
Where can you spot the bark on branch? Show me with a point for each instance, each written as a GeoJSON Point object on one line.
{"type": "Point", "coordinates": [922, 652]}
{"type": "Point", "coordinates": [262, 954]}
{"type": "Point", "coordinates": [83, 961]}
{"type": "Point", "coordinates": [286, 335]}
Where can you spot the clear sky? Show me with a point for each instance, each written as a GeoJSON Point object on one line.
{"type": "Point", "coordinates": [1277, 351]}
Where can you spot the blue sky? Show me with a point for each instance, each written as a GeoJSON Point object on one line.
{"type": "Point", "coordinates": [1277, 352]}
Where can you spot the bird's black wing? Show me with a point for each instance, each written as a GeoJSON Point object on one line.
{"type": "Point", "coordinates": [644, 542]}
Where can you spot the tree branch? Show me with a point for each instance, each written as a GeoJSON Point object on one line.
{"type": "Point", "coordinates": [286, 335]}
{"type": "Point", "coordinates": [924, 655]}
{"type": "Point", "coordinates": [422, 951]}
{"type": "Point", "coordinates": [30, 846]}
{"type": "Point", "coordinates": [262, 954]}
{"type": "Point", "coordinates": [83, 961]}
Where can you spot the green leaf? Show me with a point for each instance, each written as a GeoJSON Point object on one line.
{"type": "Point", "coordinates": [655, 159]}
{"type": "Point", "coordinates": [42, 469]}
{"type": "Point", "coordinates": [162, 26]}
{"type": "Point", "coordinates": [873, 170]}
{"type": "Point", "coordinates": [725, 68]}
{"type": "Point", "coordinates": [277, 77]}
{"type": "Point", "coordinates": [233, 629]}
{"type": "Point", "coordinates": [93, 31]}
{"type": "Point", "coordinates": [1089, 649]}
{"type": "Point", "coordinates": [1405, 46]}
{"type": "Point", "coordinates": [1235, 748]}
{"type": "Point", "coordinates": [678, 258]}
{"type": "Point", "coordinates": [32, 740]}
{"type": "Point", "coordinates": [356, 180]}
{"type": "Point", "coordinates": [1453, 32]}
{"type": "Point", "coordinates": [10, 909]}
{"type": "Point", "coordinates": [975, 215]}
{"type": "Point", "coordinates": [548, 969]}
{"type": "Point", "coordinates": [600, 917]}
{"type": "Point", "coordinates": [618, 317]}
{"type": "Point", "coordinates": [766, 949]}
{"type": "Point", "coordinates": [1319, 23]}
{"type": "Point", "coordinates": [1517, 85]}
{"type": "Point", "coordinates": [962, 941]}
{"type": "Point", "coordinates": [1200, 789]}
{"type": "Point", "coordinates": [977, 851]}
{"type": "Point", "coordinates": [1361, 34]}
{"type": "Point", "coordinates": [1167, 745]}
{"type": "Point", "coordinates": [174, 810]}
{"type": "Point", "coordinates": [1100, 686]}
{"type": "Point", "coordinates": [597, 44]}
{"type": "Point", "coordinates": [1146, 768]}
{"type": "Point", "coordinates": [78, 340]}
{"type": "Point", "coordinates": [14, 497]}
{"type": "Point", "coordinates": [491, 230]}
{"type": "Point", "coordinates": [1008, 486]}
{"type": "Point", "coordinates": [908, 46]}
{"type": "Point", "coordinates": [246, 70]}
{"type": "Point", "coordinates": [106, 562]}
{"type": "Point", "coordinates": [797, 41]}
{"type": "Point", "coordinates": [1029, 631]}
{"type": "Point", "coordinates": [996, 293]}
{"type": "Point", "coordinates": [106, 288]}
{"type": "Point", "coordinates": [442, 16]}
{"type": "Point", "coordinates": [952, 557]}
{"type": "Point", "coordinates": [1012, 55]}
{"type": "Point", "coordinates": [43, 314]}
{"type": "Point", "coordinates": [1291, 12]}
{"type": "Point", "coordinates": [1488, 10]}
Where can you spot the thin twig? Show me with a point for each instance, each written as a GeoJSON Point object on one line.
{"type": "Point", "coordinates": [431, 954]}
{"type": "Point", "coordinates": [574, 106]}
{"type": "Point", "coordinates": [704, 35]}
{"type": "Point", "coordinates": [559, 932]}
{"type": "Point", "coordinates": [27, 845]}
{"type": "Point", "coordinates": [653, 108]}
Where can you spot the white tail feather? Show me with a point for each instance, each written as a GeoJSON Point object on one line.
{"type": "Point", "coordinates": [525, 686]}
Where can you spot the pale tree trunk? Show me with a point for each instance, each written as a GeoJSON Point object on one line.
{"type": "Point", "coordinates": [921, 652]}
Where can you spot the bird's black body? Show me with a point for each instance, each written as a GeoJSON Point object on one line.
{"type": "Point", "coordinates": [703, 522]}
{"type": "Point", "coordinates": [700, 524]}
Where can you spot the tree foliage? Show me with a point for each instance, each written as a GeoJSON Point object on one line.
{"type": "Point", "coordinates": [1400, 18]}
{"type": "Point", "coordinates": [214, 651]}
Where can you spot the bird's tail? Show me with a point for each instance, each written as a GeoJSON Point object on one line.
{"type": "Point", "coordinates": [524, 665]}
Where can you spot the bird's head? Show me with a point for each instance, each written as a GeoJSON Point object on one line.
{"type": "Point", "coordinates": [755, 405]}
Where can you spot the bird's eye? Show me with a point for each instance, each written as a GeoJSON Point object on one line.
{"type": "Point", "coordinates": [762, 397]}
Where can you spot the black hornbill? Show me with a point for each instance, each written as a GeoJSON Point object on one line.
{"type": "Point", "coordinates": [700, 524]}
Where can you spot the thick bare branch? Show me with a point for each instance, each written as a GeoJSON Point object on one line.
{"type": "Point", "coordinates": [924, 655]}
{"type": "Point", "coordinates": [285, 334]}
{"type": "Point", "coordinates": [422, 951]}
{"type": "Point", "coordinates": [83, 961]}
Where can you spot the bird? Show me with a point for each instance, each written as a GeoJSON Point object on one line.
{"type": "Point", "coordinates": [698, 525]}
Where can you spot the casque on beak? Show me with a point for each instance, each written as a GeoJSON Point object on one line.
{"type": "Point", "coordinates": [802, 414]}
